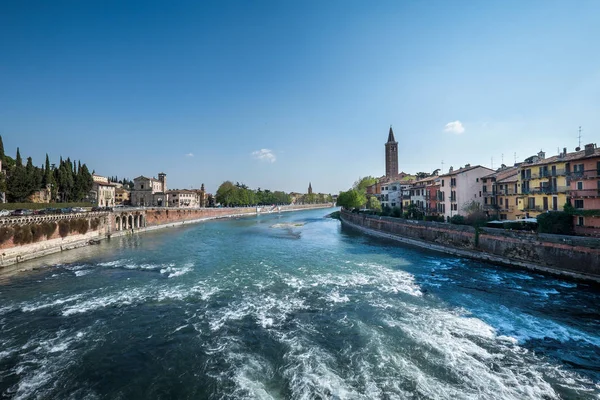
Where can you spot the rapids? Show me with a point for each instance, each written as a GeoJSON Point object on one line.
{"type": "Point", "coordinates": [236, 309]}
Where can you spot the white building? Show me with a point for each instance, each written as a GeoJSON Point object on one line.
{"type": "Point", "coordinates": [460, 187]}
{"type": "Point", "coordinates": [391, 194]}
{"type": "Point", "coordinates": [184, 198]}
{"type": "Point", "coordinates": [419, 195]}
{"type": "Point", "coordinates": [150, 192]}
{"type": "Point", "coordinates": [103, 191]}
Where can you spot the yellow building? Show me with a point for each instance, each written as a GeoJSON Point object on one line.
{"type": "Point", "coordinates": [500, 193]}
{"type": "Point", "coordinates": [543, 184]}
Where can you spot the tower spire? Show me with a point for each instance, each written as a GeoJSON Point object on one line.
{"type": "Point", "coordinates": [391, 155]}
{"type": "Point", "coordinates": [391, 135]}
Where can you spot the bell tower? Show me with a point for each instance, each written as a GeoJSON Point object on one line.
{"type": "Point", "coordinates": [391, 155]}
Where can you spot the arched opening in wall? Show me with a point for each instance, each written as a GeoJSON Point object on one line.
{"type": "Point", "coordinates": [130, 222]}
{"type": "Point", "coordinates": [123, 222]}
{"type": "Point", "coordinates": [142, 221]}
{"type": "Point", "coordinates": [118, 223]}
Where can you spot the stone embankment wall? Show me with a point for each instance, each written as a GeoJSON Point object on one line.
{"type": "Point", "coordinates": [143, 220]}
{"type": "Point", "coordinates": [44, 244]}
{"type": "Point", "coordinates": [162, 216]}
{"type": "Point", "coordinates": [573, 256]}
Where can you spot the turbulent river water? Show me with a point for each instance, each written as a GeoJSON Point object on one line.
{"type": "Point", "coordinates": [291, 306]}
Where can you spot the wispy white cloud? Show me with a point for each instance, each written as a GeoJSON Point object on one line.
{"type": "Point", "coordinates": [455, 127]}
{"type": "Point", "coordinates": [189, 155]}
{"type": "Point", "coordinates": [264, 155]}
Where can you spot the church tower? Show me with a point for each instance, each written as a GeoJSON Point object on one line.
{"type": "Point", "coordinates": [309, 188]}
{"type": "Point", "coordinates": [391, 155]}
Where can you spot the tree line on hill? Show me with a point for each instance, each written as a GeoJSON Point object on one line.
{"type": "Point", "coordinates": [69, 181]}
{"type": "Point", "coordinates": [127, 183]}
{"type": "Point", "coordinates": [239, 194]}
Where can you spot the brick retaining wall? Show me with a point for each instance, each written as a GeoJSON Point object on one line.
{"type": "Point", "coordinates": [567, 255]}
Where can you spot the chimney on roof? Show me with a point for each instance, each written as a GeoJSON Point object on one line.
{"type": "Point", "coordinates": [467, 165]}
{"type": "Point", "coordinates": [590, 148]}
{"type": "Point", "coordinates": [564, 151]}
{"type": "Point", "coordinates": [541, 155]}
{"type": "Point", "coordinates": [577, 148]}
{"type": "Point", "coordinates": [451, 169]}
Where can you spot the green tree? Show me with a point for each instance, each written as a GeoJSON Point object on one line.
{"type": "Point", "coordinates": [351, 199]}
{"type": "Point", "coordinates": [373, 204]}
{"type": "Point", "coordinates": [225, 193]}
{"type": "Point", "coordinates": [18, 185]}
{"type": "Point", "coordinates": [1, 150]}
{"type": "Point", "coordinates": [362, 183]}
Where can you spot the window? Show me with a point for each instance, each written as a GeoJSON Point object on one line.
{"type": "Point", "coordinates": [579, 185]}
{"type": "Point", "coordinates": [579, 221]}
{"type": "Point", "coordinates": [484, 189]}
{"type": "Point", "coordinates": [453, 182]}
{"type": "Point", "coordinates": [477, 180]}
{"type": "Point", "coordinates": [578, 203]}
{"type": "Point", "coordinates": [516, 201]}
{"type": "Point", "coordinates": [142, 186]}
{"type": "Point", "coordinates": [442, 183]}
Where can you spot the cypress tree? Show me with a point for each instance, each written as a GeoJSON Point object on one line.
{"type": "Point", "coordinates": [18, 161]}
{"type": "Point", "coordinates": [1, 149]}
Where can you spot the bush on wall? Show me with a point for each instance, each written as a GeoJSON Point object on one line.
{"type": "Point", "coordinates": [6, 233]}
{"type": "Point", "coordinates": [64, 228]}
{"type": "Point", "coordinates": [49, 228]}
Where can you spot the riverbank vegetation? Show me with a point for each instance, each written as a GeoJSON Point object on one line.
{"type": "Point", "coordinates": [70, 181]}
{"type": "Point", "coordinates": [31, 233]}
{"type": "Point", "coordinates": [240, 195]}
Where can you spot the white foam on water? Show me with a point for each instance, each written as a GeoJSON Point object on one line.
{"type": "Point", "coordinates": [41, 361]}
{"type": "Point", "coordinates": [485, 364]}
{"type": "Point", "coordinates": [524, 327]}
{"type": "Point", "coordinates": [83, 272]}
{"type": "Point", "coordinates": [48, 303]}
{"type": "Point", "coordinates": [114, 263]}
{"type": "Point", "coordinates": [335, 297]}
{"type": "Point", "coordinates": [180, 328]}
{"type": "Point", "coordinates": [173, 271]}
{"type": "Point", "coordinates": [375, 276]}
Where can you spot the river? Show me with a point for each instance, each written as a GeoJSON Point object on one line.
{"type": "Point", "coordinates": [294, 306]}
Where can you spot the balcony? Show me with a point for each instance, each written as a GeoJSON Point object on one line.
{"type": "Point", "coordinates": [585, 193]}
{"type": "Point", "coordinates": [545, 174]}
{"type": "Point", "coordinates": [489, 194]}
{"type": "Point", "coordinates": [591, 173]}
{"type": "Point", "coordinates": [533, 208]}
{"type": "Point", "coordinates": [547, 190]}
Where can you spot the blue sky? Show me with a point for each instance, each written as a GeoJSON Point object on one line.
{"type": "Point", "coordinates": [277, 94]}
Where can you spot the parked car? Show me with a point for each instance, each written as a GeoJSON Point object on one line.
{"type": "Point", "coordinates": [21, 212]}
{"type": "Point", "coordinates": [66, 210]}
{"type": "Point", "coordinates": [79, 209]}
{"type": "Point", "coordinates": [4, 213]}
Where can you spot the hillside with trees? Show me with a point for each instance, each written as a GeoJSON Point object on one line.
{"type": "Point", "coordinates": [70, 181]}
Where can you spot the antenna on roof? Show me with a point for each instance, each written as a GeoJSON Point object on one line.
{"type": "Point", "coordinates": [502, 158]}
{"type": "Point", "coordinates": [515, 157]}
{"type": "Point", "coordinates": [442, 166]}
{"type": "Point", "coordinates": [579, 137]}
{"type": "Point", "coordinates": [492, 162]}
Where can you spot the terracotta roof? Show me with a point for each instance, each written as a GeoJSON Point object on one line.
{"type": "Point", "coordinates": [465, 169]}
{"type": "Point", "coordinates": [573, 156]}
{"type": "Point", "coordinates": [502, 174]}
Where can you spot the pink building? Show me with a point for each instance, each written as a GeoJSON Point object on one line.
{"type": "Point", "coordinates": [585, 190]}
